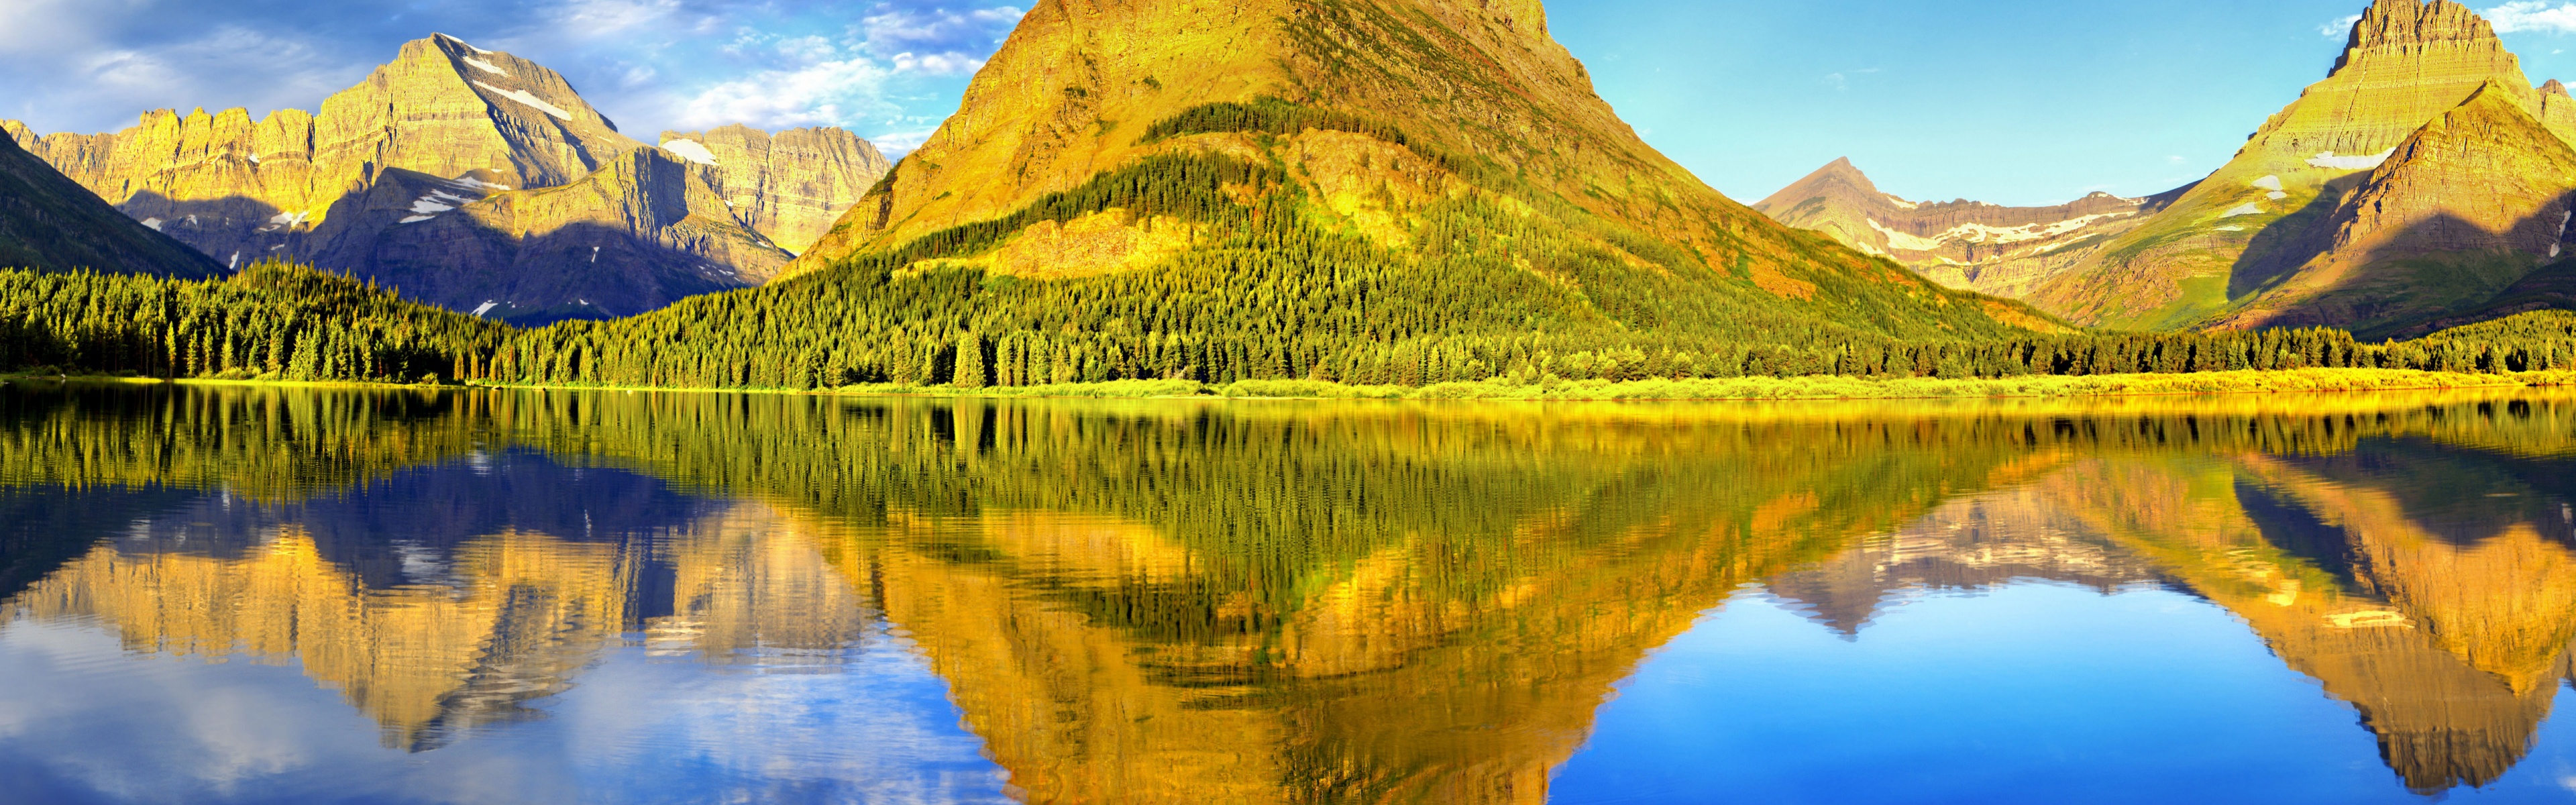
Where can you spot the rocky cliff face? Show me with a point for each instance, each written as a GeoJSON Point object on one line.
{"type": "Point", "coordinates": [50, 223]}
{"type": "Point", "coordinates": [634, 234]}
{"type": "Point", "coordinates": [2407, 63]}
{"type": "Point", "coordinates": [1987, 248]}
{"type": "Point", "coordinates": [445, 126]}
{"type": "Point", "coordinates": [790, 186]}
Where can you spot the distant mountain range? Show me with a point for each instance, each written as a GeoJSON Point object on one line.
{"type": "Point", "coordinates": [2425, 182]}
{"type": "Point", "coordinates": [478, 181]}
{"type": "Point", "coordinates": [1993, 249]}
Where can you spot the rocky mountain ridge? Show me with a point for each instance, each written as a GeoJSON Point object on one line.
{"type": "Point", "coordinates": [789, 186]}
{"type": "Point", "coordinates": [1971, 245]}
{"type": "Point", "coordinates": [444, 126]}
{"type": "Point", "coordinates": [50, 223]}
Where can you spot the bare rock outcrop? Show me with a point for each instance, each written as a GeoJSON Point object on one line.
{"type": "Point", "coordinates": [788, 186]}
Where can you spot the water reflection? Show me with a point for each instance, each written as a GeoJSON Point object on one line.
{"type": "Point", "coordinates": [1280, 602]}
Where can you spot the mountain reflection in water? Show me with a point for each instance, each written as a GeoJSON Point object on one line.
{"type": "Point", "coordinates": [1198, 601]}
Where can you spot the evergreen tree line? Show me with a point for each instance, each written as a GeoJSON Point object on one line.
{"type": "Point", "coordinates": [281, 322]}
{"type": "Point", "coordinates": [269, 320]}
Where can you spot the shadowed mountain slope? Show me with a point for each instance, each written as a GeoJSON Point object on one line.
{"type": "Point", "coordinates": [50, 223]}
{"type": "Point", "coordinates": [447, 127]}
{"type": "Point", "coordinates": [2224, 254]}
{"type": "Point", "coordinates": [2461, 209]}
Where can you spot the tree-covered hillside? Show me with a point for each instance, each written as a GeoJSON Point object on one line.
{"type": "Point", "coordinates": [288, 323]}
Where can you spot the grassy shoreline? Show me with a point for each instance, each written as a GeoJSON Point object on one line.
{"type": "Point", "coordinates": [1757, 388]}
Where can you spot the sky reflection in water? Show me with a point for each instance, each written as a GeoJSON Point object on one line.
{"type": "Point", "coordinates": [243, 595]}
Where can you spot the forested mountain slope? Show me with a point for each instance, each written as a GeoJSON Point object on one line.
{"type": "Point", "coordinates": [1380, 191]}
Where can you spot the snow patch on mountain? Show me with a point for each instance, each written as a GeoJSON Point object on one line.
{"type": "Point", "coordinates": [286, 220]}
{"type": "Point", "coordinates": [2249, 209]}
{"type": "Point", "coordinates": [486, 66]}
{"type": "Point", "coordinates": [1905, 241]}
{"type": "Point", "coordinates": [522, 96]}
{"type": "Point", "coordinates": [155, 223]}
{"type": "Point", "coordinates": [2272, 183]}
{"type": "Point", "coordinates": [2350, 163]}
{"type": "Point", "coordinates": [690, 150]}
{"type": "Point", "coordinates": [1984, 234]}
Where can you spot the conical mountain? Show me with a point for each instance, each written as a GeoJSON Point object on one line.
{"type": "Point", "coordinates": [1988, 248]}
{"type": "Point", "coordinates": [2461, 209]}
{"type": "Point", "coordinates": [1350, 176]}
{"type": "Point", "coordinates": [448, 125]}
{"type": "Point", "coordinates": [2407, 62]}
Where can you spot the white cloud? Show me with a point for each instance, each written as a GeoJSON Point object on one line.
{"type": "Point", "coordinates": [2533, 15]}
{"type": "Point", "coordinates": [897, 144]}
{"type": "Point", "coordinates": [937, 64]}
{"type": "Point", "coordinates": [595, 19]}
{"type": "Point", "coordinates": [1842, 80]}
{"type": "Point", "coordinates": [822, 93]}
{"type": "Point", "coordinates": [2341, 27]}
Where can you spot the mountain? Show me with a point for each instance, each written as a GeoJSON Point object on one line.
{"type": "Point", "coordinates": [2296, 229]}
{"type": "Point", "coordinates": [2463, 208]}
{"type": "Point", "coordinates": [1395, 191]}
{"type": "Point", "coordinates": [790, 186]}
{"type": "Point", "coordinates": [545, 182]}
{"type": "Point", "coordinates": [50, 223]}
{"type": "Point", "coordinates": [1987, 248]}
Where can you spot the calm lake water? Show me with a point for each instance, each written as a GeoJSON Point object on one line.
{"type": "Point", "coordinates": [213, 595]}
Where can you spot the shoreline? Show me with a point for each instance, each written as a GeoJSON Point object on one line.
{"type": "Point", "coordinates": [1800, 389]}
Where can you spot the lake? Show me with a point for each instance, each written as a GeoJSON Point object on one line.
{"type": "Point", "coordinates": [251, 594]}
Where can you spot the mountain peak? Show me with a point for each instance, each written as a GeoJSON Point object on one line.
{"type": "Point", "coordinates": [2410, 27]}
{"type": "Point", "coordinates": [2554, 88]}
{"type": "Point", "coordinates": [2485, 178]}
{"type": "Point", "coordinates": [1839, 179]}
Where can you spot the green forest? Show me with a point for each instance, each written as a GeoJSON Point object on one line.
{"type": "Point", "coordinates": [281, 322]}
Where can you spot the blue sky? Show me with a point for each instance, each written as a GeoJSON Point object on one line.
{"type": "Point", "coordinates": [2011, 101]}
